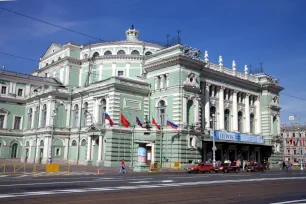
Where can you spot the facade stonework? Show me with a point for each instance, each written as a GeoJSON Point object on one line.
{"type": "Point", "coordinates": [58, 111]}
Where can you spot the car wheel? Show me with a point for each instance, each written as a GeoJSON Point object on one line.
{"type": "Point", "coordinates": [197, 171]}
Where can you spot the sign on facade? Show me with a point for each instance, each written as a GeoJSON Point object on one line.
{"type": "Point", "coordinates": [231, 136]}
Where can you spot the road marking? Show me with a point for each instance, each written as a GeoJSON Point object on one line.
{"type": "Point", "coordinates": [1, 176]}
{"type": "Point", "coordinates": [140, 182]}
{"type": "Point", "coordinates": [22, 176]}
{"type": "Point", "coordinates": [291, 201]}
{"type": "Point", "coordinates": [37, 193]}
{"type": "Point", "coordinates": [166, 181]}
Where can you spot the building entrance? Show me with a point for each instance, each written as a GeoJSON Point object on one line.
{"type": "Point", "coordinates": [232, 155]}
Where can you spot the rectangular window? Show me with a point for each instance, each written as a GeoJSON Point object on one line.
{"type": "Point", "coordinates": [17, 122]}
{"type": "Point", "coordinates": [58, 152]}
{"type": "Point", "coordinates": [120, 73]}
{"type": "Point", "coordinates": [20, 92]}
{"type": "Point", "coordinates": [2, 121]}
{"type": "Point", "coordinates": [3, 90]}
{"type": "Point", "coordinates": [294, 151]}
{"type": "Point", "coordinates": [301, 152]}
{"type": "Point", "coordinates": [288, 151]}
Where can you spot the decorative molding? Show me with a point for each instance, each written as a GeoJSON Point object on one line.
{"type": "Point", "coordinates": [126, 103]}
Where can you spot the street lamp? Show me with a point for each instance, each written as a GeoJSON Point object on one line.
{"type": "Point", "coordinates": [52, 131]}
{"type": "Point", "coordinates": [161, 109]}
{"type": "Point", "coordinates": [214, 149]}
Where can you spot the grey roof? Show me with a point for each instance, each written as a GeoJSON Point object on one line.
{"type": "Point", "coordinates": [28, 76]}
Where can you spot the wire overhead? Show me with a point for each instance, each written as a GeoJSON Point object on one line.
{"type": "Point", "coordinates": [4, 53]}
{"type": "Point", "coordinates": [67, 29]}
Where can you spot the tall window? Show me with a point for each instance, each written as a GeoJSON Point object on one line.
{"type": "Point", "coordinates": [14, 150]}
{"type": "Point", "coordinates": [44, 116]}
{"type": "Point", "coordinates": [213, 113]}
{"type": "Point", "coordinates": [240, 121]}
{"type": "Point", "coordinates": [189, 111]}
{"type": "Point", "coordinates": [2, 117]}
{"type": "Point", "coordinates": [17, 123]}
{"type": "Point", "coordinates": [162, 112]}
{"type": "Point", "coordinates": [120, 73]}
{"type": "Point", "coordinates": [20, 92]}
{"type": "Point", "coordinates": [227, 120]}
{"type": "Point", "coordinates": [252, 123]}
{"type": "Point", "coordinates": [96, 54]}
{"type": "Point", "coordinates": [85, 114]}
{"type": "Point", "coordinates": [102, 110]}
{"type": "Point", "coordinates": [30, 116]}
{"type": "Point", "coordinates": [75, 116]}
{"type": "Point", "coordinates": [3, 90]}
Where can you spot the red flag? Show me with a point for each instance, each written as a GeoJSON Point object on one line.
{"type": "Point", "coordinates": [303, 140]}
{"type": "Point", "coordinates": [124, 121]}
{"type": "Point", "coordinates": [155, 123]}
{"type": "Point", "coordinates": [290, 140]}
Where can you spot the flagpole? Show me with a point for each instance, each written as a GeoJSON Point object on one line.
{"type": "Point", "coordinates": [132, 164]}
{"type": "Point", "coordinates": [161, 146]}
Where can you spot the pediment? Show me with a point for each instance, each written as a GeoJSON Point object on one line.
{"type": "Point", "coordinates": [52, 48]}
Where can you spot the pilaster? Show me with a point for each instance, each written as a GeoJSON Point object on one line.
{"type": "Point", "coordinates": [221, 108]}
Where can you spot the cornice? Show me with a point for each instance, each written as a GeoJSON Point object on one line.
{"type": "Point", "coordinates": [113, 57]}
{"type": "Point", "coordinates": [64, 61]}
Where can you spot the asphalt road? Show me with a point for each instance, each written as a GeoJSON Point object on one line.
{"type": "Point", "coordinates": [268, 187]}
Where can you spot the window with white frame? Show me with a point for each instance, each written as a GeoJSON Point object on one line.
{"type": "Point", "coordinates": [2, 118]}
{"type": "Point", "coordinates": [120, 73]}
{"type": "Point", "coordinates": [85, 114]}
{"type": "Point", "coordinates": [161, 112]}
{"type": "Point", "coordinates": [3, 89]}
{"type": "Point", "coordinates": [20, 92]}
{"type": "Point", "coordinates": [191, 140]}
{"type": "Point", "coordinates": [75, 116]}
{"type": "Point", "coordinates": [102, 108]}
{"type": "Point", "coordinates": [17, 122]}
{"type": "Point", "coordinates": [44, 116]}
{"type": "Point", "coordinates": [30, 116]}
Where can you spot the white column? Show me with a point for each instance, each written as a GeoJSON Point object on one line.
{"type": "Point", "coordinates": [162, 80]}
{"type": "Point", "coordinates": [100, 148]}
{"type": "Point", "coordinates": [155, 82]}
{"type": "Point", "coordinates": [67, 72]}
{"type": "Point", "coordinates": [100, 72]}
{"type": "Point", "coordinates": [221, 108]}
{"type": "Point", "coordinates": [92, 147]}
{"type": "Point", "coordinates": [66, 148]}
{"type": "Point", "coordinates": [196, 110]}
{"type": "Point", "coordinates": [247, 113]}
{"type": "Point", "coordinates": [96, 111]}
{"type": "Point", "coordinates": [278, 124]}
{"type": "Point", "coordinates": [89, 148]}
{"type": "Point", "coordinates": [80, 77]}
{"type": "Point", "coordinates": [33, 117]}
{"type": "Point", "coordinates": [114, 69]}
{"type": "Point", "coordinates": [68, 115]}
{"type": "Point", "coordinates": [27, 90]}
{"type": "Point", "coordinates": [167, 80]}
{"type": "Point", "coordinates": [258, 116]}
{"type": "Point", "coordinates": [46, 149]}
{"type": "Point", "coordinates": [37, 150]}
{"type": "Point", "coordinates": [207, 106]}
{"type": "Point", "coordinates": [128, 66]}
{"type": "Point", "coordinates": [153, 153]}
{"type": "Point", "coordinates": [235, 112]}
{"type": "Point", "coordinates": [184, 110]}
{"type": "Point", "coordinates": [49, 111]}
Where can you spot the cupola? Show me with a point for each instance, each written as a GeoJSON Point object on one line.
{"type": "Point", "coordinates": [132, 34]}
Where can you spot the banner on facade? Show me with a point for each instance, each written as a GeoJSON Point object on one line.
{"type": "Point", "coordinates": [238, 137]}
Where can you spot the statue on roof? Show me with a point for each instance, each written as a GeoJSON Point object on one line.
{"type": "Point", "coordinates": [132, 27]}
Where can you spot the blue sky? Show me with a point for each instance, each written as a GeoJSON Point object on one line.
{"type": "Point", "coordinates": [268, 31]}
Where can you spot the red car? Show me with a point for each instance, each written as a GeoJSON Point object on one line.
{"type": "Point", "coordinates": [256, 167]}
{"type": "Point", "coordinates": [227, 167]}
{"type": "Point", "coordinates": [201, 167]}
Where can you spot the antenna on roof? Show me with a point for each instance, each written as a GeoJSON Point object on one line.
{"type": "Point", "coordinates": [261, 68]}
{"type": "Point", "coordinates": [178, 37]}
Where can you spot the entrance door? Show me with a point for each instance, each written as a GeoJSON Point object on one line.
{"type": "Point", "coordinates": [245, 155]}
{"type": "Point", "coordinates": [149, 155]}
{"type": "Point", "coordinates": [256, 156]}
{"type": "Point", "coordinates": [232, 155]}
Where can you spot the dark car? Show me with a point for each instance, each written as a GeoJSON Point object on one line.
{"type": "Point", "coordinates": [256, 167]}
{"type": "Point", "coordinates": [201, 168]}
{"type": "Point", "coordinates": [228, 167]}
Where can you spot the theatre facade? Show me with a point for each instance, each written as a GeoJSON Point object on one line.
{"type": "Point", "coordinates": [57, 113]}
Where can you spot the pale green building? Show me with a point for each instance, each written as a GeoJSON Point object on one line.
{"type": "Point", "coordinates": [58, 110]}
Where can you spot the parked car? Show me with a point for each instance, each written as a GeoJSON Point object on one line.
{"type": "Point", "coordinates": [256, 167]}
{"type": "Point", "coordinates": [228, 167]}
{"type": "Point", "coordinates": [201, 167]}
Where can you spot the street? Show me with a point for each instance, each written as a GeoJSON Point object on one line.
{"type": "Point", "coordinates": [268, 187]}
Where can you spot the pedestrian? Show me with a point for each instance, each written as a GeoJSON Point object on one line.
{"type": "Point", "coordinates": [122, 167]}
{"type": "Point", "coordinates": [284, 165]}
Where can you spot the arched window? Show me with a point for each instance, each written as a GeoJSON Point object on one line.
{"type": "Point", "coordinates": [102, 109]}
{"type": "Point", "coordinates": [95, 55]}
{"type": "Point", "coordinates": [121, 52]}
{"type": "Point", "coordinates": [252, 123]}
{"type": "Point", "coordinates": [189, 111]}
{"type": "Point", "coordinates": [30, 116]}
{"type": "Point", "coordinates": [161, 112]}
{"type": "Point", "coordinates": [75, 116]}
{"type": "Point", "coordinates": [275, 128]}
{"type": "Point", "coordinates": [59, 58]}
{"type": "Point", "coordinates": [27, 144]}
{"type": "Point", "coordinates": [108, 52]}
{"type": "Point", "coordinates": [44, 116]}
{"type": "Point", "coordinates": [85, 56]}
{"type": "Point", "coordinates": [47, 64]}
{"type": "Point", "coordinates": [85, 114]}
{"type": "Point", "coordinates": [293, 134]}
{"type": "Point", "coordinates": [83, 142]}
{"type": "Point", "coordinates": [148, 53]}
{"type": "Point", "coordinates": [135, 52]}
{"type": "Point", "coordinates": [73, 143]}
{"type": "Point", "coordinates": [240, 121]}
{"type": "Point", "coordinates": [227, 120]}
{"type": "Point", "coordinates": [52, 62]}
{"type": "Point", "coordinates": [14, 150]}
{"type": "Point", "coordinates": [213, 117]}
{"type": "Point", "coordinates": [41, 143]}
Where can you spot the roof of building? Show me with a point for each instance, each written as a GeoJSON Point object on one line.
{"type": "Point", "coordinates": [28, 76]}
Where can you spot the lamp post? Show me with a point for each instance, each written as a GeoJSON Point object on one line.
{"type": "Point", "coordinates": [161, 110]}
{"type": "Point", "coordinates": [214, 149]}
{"type": "Point", "coordinates": [52, 131]}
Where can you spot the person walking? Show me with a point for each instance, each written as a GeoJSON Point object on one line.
{"type": "Point", "coordinates": [122, 167]}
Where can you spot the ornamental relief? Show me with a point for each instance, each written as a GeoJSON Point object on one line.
{"type": "Point", "coordinates": [191, 80]}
